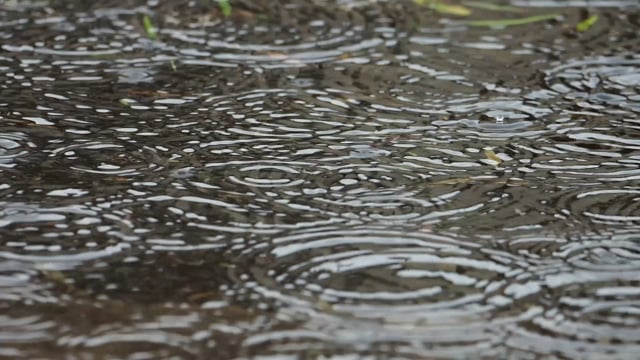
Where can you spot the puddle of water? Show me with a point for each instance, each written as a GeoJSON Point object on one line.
{"type": "Point", "coordinates": [314, 179]}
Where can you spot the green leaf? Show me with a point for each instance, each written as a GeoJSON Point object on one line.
{"type": "Point", "coordinates": [151, 30]}
{"type": "Point", "coordinates": [225, 7]}
{"type": "Point", "coordinates": [513, 22]}
{"type": "Point", "coordinates": [443, 8]}
{"type": "Point", "coordinates": [587, 23]}
{"type": "Point", "coordinates": [492, 7]}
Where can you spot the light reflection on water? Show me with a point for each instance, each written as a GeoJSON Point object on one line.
{"type": "Point", "coordinates": [365, 180]}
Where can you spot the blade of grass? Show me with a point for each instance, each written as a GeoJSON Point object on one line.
{"type": "Point", "coordinates": [225, 7]}
{"type": "Point", "coordinates": [492, 7]}
{"type": "Point", "coordinates": [513, 22]}
{"type": "Point", "coordinates": [443, 8]}
{"type": "Point", "coordinates": [587, 23]}
{"type": "Point", "coordinates": [151, 30]}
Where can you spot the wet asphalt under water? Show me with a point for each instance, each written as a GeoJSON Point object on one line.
{"type": "Point", "coordinates": [318, 179]}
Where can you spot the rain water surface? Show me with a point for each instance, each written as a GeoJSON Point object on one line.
{"type": "Point", "coordinates": [318, 179]}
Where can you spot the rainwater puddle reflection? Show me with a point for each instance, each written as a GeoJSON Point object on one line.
{"type": "Point", "coordinates": [346, 179]}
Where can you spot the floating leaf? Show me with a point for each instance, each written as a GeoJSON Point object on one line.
{"type": "Point", "coordinates": [55, 276]}
{"type": "Point", "coordinates": [587, 23]}
{"type": "Point", "coordinates": [324, 306]}
{"type": "Point", "coordinates": [173, 65]}
{"type": "Point", "coordinates": [492, 7]}
{"type": "Point", "coordinates": [225, 7]}
{"type": "Point", "coordinates": [513, 22]}
{"type": "Point", "coordinates": [444, 8]}
{"type": "Point", "coordinates": [492, 156]}
{"type": "Point", "coordinates": [151, 30]}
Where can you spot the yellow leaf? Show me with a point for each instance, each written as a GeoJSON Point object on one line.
{"type": "Point", "coordinates": [324, 306]}
{"type": "Point", "coordinates": [492, 156]}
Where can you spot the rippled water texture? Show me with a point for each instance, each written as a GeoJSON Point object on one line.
{"type": "Point", "coordinates": [318, 179]}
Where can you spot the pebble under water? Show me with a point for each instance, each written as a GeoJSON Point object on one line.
{"type": "Point", "coordinates": [318, 180]}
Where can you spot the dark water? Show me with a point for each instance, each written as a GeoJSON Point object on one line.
{"type": "Point", "coordinates": [318, 179]}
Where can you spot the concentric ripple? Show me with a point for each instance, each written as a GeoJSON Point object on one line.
{"type": "Point", "coordinates": [593, 299]}
{"type": "Point", "coordinates": [371, 273]}
{"type": "Point", "coordinates": [17, 284]}
{"type": "Point", "coordinates": [418, 289]}
{"type": "Point", "coordinates": [12, 145]}
{"type": "Point", "coordinates": [596, 84]}
{"type": "Point", "coordinates": [62, 237]}
{"type": "Point", "coordinates": [498, 118]}
{"type": "Point", "coordinates": [104, 158]}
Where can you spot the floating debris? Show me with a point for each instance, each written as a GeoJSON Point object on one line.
{"type": "Point", "coordinates": [443, 8]}
{"type": "Point", "coordinates": [513, 22]}
{"type": "Point", "coordinates": [225, 7]}
{"type": "Point", "coordinates": [488, 152]}
{"type": "Point", "coordinates": [492, 7]}
{"type": "Point", "coordinates": [587, 23]}
{"type": "Point", "coordinates": [152, 31]}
